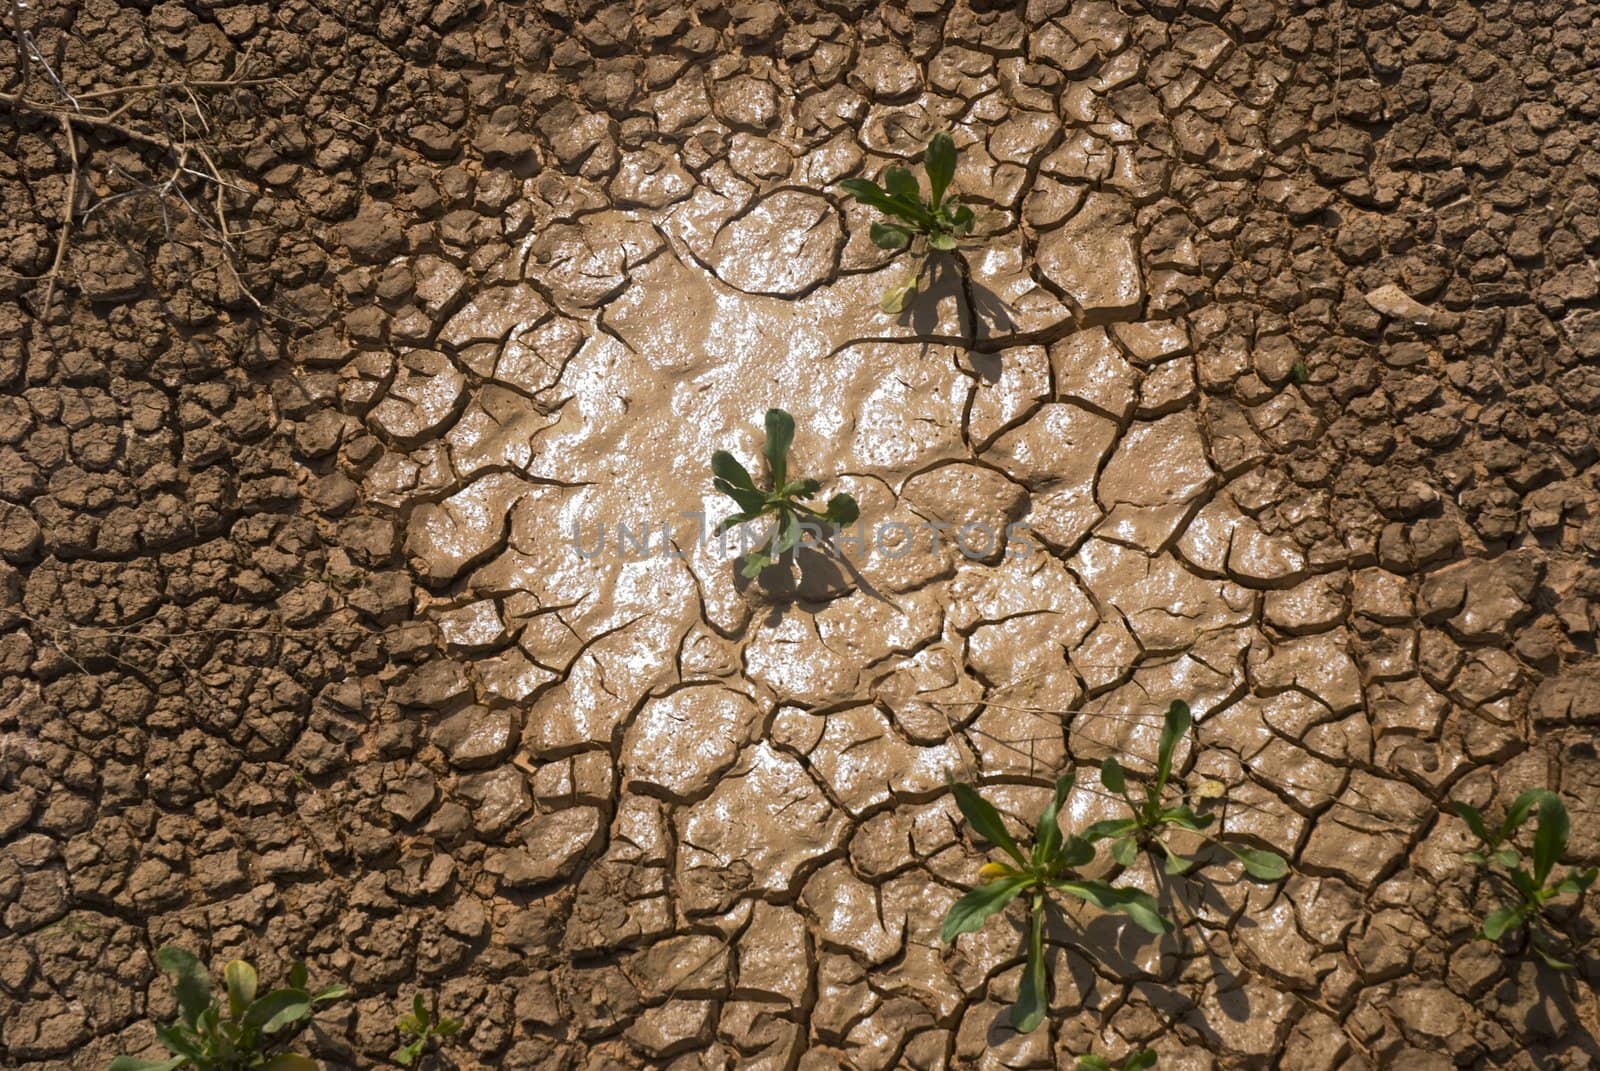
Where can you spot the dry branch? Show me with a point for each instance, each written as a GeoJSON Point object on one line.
{"type": "Point", "coordinates": [67, 207]}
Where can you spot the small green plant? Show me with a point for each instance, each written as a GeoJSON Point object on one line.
{"type": "Point", "coordinates": [781, 502]}
{"type": "Point", "coordinates": [1151, 815]}
{"type": "Point", "coordinates": [939, 221]}
{"type": "Point", "coordinates": [1533, 889]}
{"type": "Point", "coordinates": [1139, 1061]}
{"type": "Point", "coordinates": [1048, 867]}
{"type": "Point", "coordinates": [1300, 373]}
{"type": "Point", "coordinates": [245, 1033]}
{"type": "Point", "coordinates": [422, 1025]}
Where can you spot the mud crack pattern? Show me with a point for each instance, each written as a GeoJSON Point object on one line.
{"type": "Point", "coordinates": [1280, 335]}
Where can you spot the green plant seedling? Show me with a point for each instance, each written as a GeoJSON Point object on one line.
{"type": "Point", "coordinates": [939, 221]}
{"type": "Point", "coordinates": [422, 1025]}
{"type": "Point", "coordinates": [1047, 867]}
{"type": "Point", "coordinates": [1534, 889]}
{"type": "Point", "coordinates": [1139, 1061]}
{"type": "Point", "coordinates": [781, 501]}
{"type": "Point", "coordinates": [1151, 815]}
{"type": "Point", "coordinates": [1497, 846]}
{"type": "Point", "coordinates": [247, 1031]}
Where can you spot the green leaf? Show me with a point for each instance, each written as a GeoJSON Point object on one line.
{"type": "Point", "coordinates": [969, 913]}
{"type": "Point", "coordinates": [180, 1042]}
{"type": "Point", "coordinates": [1576, 883]}
{"type": "Point", "coordinates": [448, 1027]}
{"type": "Point", "coordinates": [240, 979]}
{"type": "Point", "coordinates": [902, 186]}
{"type": "Point", "coordinates": [1047, 833]}
{"type": "Point", "coordinates": [1112, 777]}
{"type": "Point", "coordinates": [1526, 886]}
{"type": "Point", "coordinates": [962, 220]}
{"type": "Point", "coordinates": [194, 988]}
{"type": "Point", "coordinates": [1140, 1061]}
{"type": "Point", "coordinates": [1033, 998]}
{"type": "Point", "coordinates": [290, 1061]}
{"type": "Point", "coordinates": [751, 503]}
{"type": "Point", "coordinates": [942, 241]}
{"type": "Point", "coordinates": [869, 193]}
{"type": "Point", "coordinates": [133, 1063]}
{"type": "Point", "coordinates": [729, 523]}
{"type": "Point", "coordinates": [896, 298]}
{"type": "Point", "coordinates": [409, 1024]}
{"type": "Point", "coordinates": [1175, 864]}
{"type": "Point", "coordinates": [407, 1054]}
{"type": "Point", "coordinates": [1551, 838]}
{"type": "Point", "coordinates": [1138, 906]}
{"type": "Point", "coordinates": [332, 992]}
{"type": "Point", "coordinates": [1549, 959]}
{"type": "Point", "coordinates": [1185, 818]}
{"type": "Point", "coordinates": [726, 468]}
{"type": "Point", "coordinates": [1501, 920]}
{"type": "Point", "coordinates": [298, 977]}
{"type": "Point", "coordinates": [278, 1009]}
{"type": "Point", "coordinates": [788, 534]}
{"type": "Point", "coordinates": [940, 163]}
{"type": "Point", "coordinates": [1094, 1063]}
{"type": "Point", "coordinates": [1474, 819]}
{"type": "Point", "coordinates": [889, 236]}
{"type": "Point", "coordinates": [215, 1036]}
{"type": "Point", "coordinates": [1506, 857]}
{"type": "Point", "coordinates": [842, 511]}
{"type": "Point", "coordinates": [1519, 810]}
{"type": "Point", "coordinates": [780, 436]}
{"type": "Point", "coordinates": [755, 562]}
{"type": "Point", "coordinates": [1260, 864]}
{"type": "Point", "coordinates": [1109, 828]}
{"type": "Point", "coordinates": [1173, 728]}
{"type": "Point", "coordinates": [1075, 852]}
{"type": "Point", "coordinates": [985, 821]}
{"type": "Point", "coordinates": [1125, 850]}
{"type": "Point", "coordinates": [419, 1008]}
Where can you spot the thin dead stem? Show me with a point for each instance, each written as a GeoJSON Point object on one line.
{"type": "Point", "coordinates": [67, 206]}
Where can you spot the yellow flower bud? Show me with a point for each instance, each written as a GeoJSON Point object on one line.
{"type": "Point", "coordinates": [991, 872]}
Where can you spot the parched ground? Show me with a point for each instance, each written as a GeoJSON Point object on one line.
{"type": "Point", "coordinates": [1280, 336]}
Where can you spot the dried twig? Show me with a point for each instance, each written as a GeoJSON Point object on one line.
{"type": "Point", "coordinates": [82, 119]}
{"type": "Point", "coordinates": [186, 85]}
{"type": "Point", "coordinates": [67, 207]}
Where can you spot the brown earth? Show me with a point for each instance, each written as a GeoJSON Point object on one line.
{"type": "Point", "coordinates": [1280, 334]}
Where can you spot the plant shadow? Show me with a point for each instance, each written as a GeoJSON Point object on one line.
{"type": "Point", "coordinates": [1125, 950]}
{"type": "Point", "coordinates": [1063, 938]}
{"type": "Point", "coordinates": [1231, 999]}
{"type": "Point", "coordinates": [809, 577]}
{"type": "Point", "coordinates": [1537, 1000]}
{"type": "Point", "coordinates": [982, 315]}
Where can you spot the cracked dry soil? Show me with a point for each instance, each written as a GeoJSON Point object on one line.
{"type": "Point", "coordinates": [1280, 334]}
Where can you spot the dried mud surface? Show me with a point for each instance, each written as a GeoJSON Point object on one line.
{"type": "Point", "coordinates": [1281, 335]}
